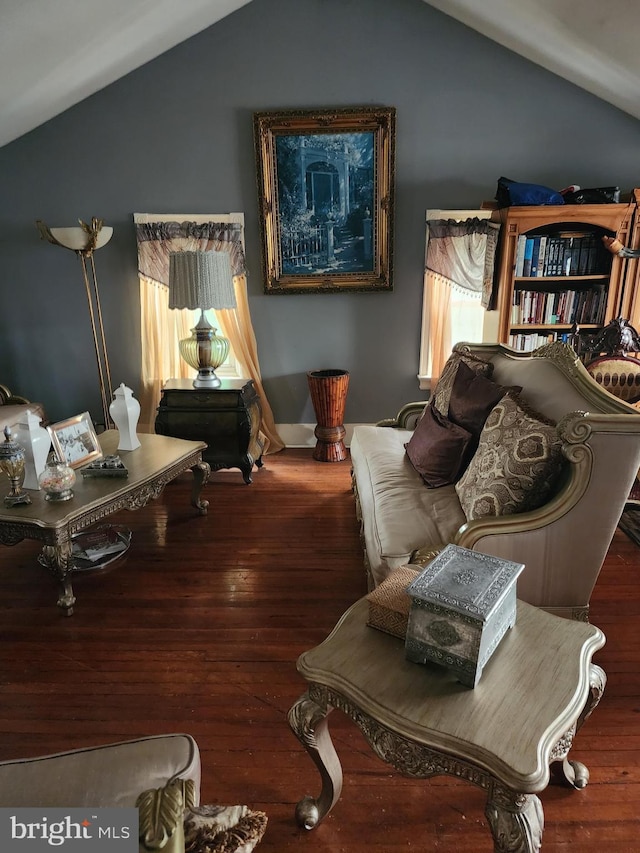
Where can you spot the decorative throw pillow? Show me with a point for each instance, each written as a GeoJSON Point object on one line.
{"type": "Point", "coordinates": [473, 396]}
{"type": "Point", "coordinates": [437, 448]}
{"type": "Point", "coordinates": [223, 829]}
{"type": "Point", "coordinates": [516, 465]}
{"type": "Point", "coordinates": [442, 392]}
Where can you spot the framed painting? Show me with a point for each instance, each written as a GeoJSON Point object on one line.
{"type": "Point", "coordinates": [326, 193]}
{"type": "Point", "coordinates": [75, 441]}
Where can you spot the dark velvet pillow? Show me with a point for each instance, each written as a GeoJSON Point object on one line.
{"type": "Point", "coordinates": [442, 391]}
{"type": "Point", "coordinates": [438, 449]}
{"type": "Point", "coordinates": [473, 396]}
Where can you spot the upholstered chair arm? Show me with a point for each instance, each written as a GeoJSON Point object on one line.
{"type": "Point", "coordinates": [577, 525]}
{"type": "Point", "coordinates": [407, 417]}
{"type": "Point", "coordinates": [9, 399]}
{"type": "Point", "coordinates": [161, 816]}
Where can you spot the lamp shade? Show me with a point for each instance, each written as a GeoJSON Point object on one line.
{"type": "Point", "coordinates": [200, 280]}
{"type": "Point", "coordinates": [77, 239]}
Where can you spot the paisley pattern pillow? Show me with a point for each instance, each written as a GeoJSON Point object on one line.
{"type": "Point", "coordinates": [442, 392]}
{"type": "Point", "coordinates": [516, 465]}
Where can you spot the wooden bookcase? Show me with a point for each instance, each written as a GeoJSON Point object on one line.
{"type": "Point", "coordinates": [611, 284]}
{"type": "Point", "coordinates": [630, 298]}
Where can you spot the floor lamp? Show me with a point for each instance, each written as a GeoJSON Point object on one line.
{"type": "Point", "coordinates": [84, 240]}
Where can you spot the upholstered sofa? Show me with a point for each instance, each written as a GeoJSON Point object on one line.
{"type": "Point", "coordinates": [12, 407]}
{"type": "Point", "coordinates": [563, 541]}
{"type": "Point", "coordinates": [160, 775]}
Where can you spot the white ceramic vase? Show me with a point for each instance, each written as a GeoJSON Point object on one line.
{"type": "Point", "coordinates": [36, 441]}
{"type": "Point", "coordinates": [125, 411]}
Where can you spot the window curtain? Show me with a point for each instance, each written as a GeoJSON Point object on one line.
{"type": "Point", "coordinates": [460, 256]}
{"type": "Point", "coordinates": [161, 328]}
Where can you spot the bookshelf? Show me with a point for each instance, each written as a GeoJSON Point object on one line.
{"type": "Point", "coordinates": [554, 271]}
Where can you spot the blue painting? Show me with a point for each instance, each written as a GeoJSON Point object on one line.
{"type": "Point", "coordinates": [326, 190]}
{"type": "Point", "coordinates": [325, 202]}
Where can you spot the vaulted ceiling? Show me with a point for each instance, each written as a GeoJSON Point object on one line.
{"type": "Point", "coordinates": [54, 54]}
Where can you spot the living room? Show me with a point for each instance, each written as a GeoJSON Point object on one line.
{"type": "Point", "coordinates": [176, 136]}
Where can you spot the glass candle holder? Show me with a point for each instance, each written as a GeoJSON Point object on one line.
{"type": "Point", "coordinates": [57, 480]}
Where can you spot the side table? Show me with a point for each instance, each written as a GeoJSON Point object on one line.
{"type": "Point", "coordinates": [505, 735]}
{"type": "Point", "coordinates": [226, 418]}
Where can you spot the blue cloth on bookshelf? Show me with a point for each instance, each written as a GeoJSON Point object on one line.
{"type": "Point", "coordinates": [514, 193]}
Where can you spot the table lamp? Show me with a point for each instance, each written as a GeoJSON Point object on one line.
{"type": "Point", "coordinates": [202, 280]}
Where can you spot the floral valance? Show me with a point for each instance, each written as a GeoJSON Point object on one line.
{"type": "Point", "coordinates": [157, 239]}
{"type": "Point", "coordinates": [463, 254]}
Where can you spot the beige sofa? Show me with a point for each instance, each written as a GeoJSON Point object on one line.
{"type": "Point", "coordinates": [160, 775]}
{"type": "Point", "coordinates": [562, 543]}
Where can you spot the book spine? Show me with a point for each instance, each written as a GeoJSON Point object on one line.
{"type": "Point", "coordinates": [552, 256]}
{"type": "Point", "coordinates": [535, 254]}
{"type": "Point", "coordinates": [528, 253]}
{"type": "Point", "coordinates": [574, 264]}
{"type": "Point", "coordinates": [522, 240]}
{"type": "Point", "coordinates": [542, 251]}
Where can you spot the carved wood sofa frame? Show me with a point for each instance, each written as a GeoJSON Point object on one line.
{"type": "Point", "coordinates": [563, 543]}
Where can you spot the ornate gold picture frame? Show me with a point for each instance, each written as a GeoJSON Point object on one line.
{"type": "Point", "coordinates": [326, 192]}
{"type": "Point", "coordinates": [75, 441]}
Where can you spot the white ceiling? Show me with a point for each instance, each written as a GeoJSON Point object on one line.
{"type": "Point", "coordinates": [54, 53]}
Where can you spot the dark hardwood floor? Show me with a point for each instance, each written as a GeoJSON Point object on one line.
{"type": "Point", "coordinates": [198, 628]}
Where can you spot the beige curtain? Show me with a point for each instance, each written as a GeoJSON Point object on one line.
{"type": "Point", "coordinates": [162, 328]}
{"type": "Point", "coordinates": [438, 299]}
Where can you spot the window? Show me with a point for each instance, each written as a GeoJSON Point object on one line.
{"type": "Point", "coordinates": [450, 314]}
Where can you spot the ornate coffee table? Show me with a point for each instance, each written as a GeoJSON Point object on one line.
{"type": "Point", "coordinates": [157, 461]}
{"type": "Point", "coordinates": [504, 735]}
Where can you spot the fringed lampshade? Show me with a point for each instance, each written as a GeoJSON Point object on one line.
{"type": "Point", "coordinates": [202, 280]}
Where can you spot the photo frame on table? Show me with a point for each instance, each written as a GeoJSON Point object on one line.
{"type": "Point", "coordinates": [75, 441]}
{"type": "Point", "coordinates": [326, 199]}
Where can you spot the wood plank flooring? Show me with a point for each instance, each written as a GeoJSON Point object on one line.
{"type": "Point", "coordinates": [198, 628]}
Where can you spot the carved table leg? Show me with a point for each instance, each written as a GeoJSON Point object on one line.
{"type": "Point", "coordinates": [575, 772]}
{"type": "Point", "coordinates": [57, 558]}
{"type": "Point", "coordinates": [309, 723]}
{"type": "Point", "coordinates": [516, 821]}
{"type": "Point", "coordinates": [201, 473]}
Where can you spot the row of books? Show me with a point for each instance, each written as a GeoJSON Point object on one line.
{"type": "Point", "coordinates": [572, 253]}
{"type": "Point", "coordinates": [529, 342]}
{"type": "Point", "coordinates": [562, 306]}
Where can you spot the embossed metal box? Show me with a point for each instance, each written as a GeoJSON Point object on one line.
{"type": "Point", "coordinates": [461, 607]}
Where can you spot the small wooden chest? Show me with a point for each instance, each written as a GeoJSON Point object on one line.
{"type": "Point", "coordinates": [461, 607]}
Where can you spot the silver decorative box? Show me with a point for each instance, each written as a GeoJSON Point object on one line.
{"type": "Point", "coordinates": [461, 607]}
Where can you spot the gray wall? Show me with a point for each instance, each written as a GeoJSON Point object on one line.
{"type": "Point", "coordinates": [176, 136]}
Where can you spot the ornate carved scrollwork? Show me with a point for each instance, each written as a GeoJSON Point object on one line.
{"type": "Point", "coordinates": [161, 811]}
{"type": "Point", "coordinates": [597, 683]}
{"type": "Point", "coordinates": [308, 721]}
{"type": "Point", "coordinates": [516, 826]}
{"type": "Point", "coordinates": [303, 718]}
{"type": "Point", "coordinates": [561, 354]}
{"type": "Point", "coordinates": [563, 745]}
{"type": "Point", "coordinates": [11, 535]}
{"type": "Point", "coordinates": [408, 757]}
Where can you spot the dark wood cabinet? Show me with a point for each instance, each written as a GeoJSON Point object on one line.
{"type": "Point", "coordinates": [226, 418]}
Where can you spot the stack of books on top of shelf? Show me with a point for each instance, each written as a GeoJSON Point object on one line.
{"type": "Point", "coordinates": [563, 306]}
{"type": "Point", "coordinates": [562, 254]}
